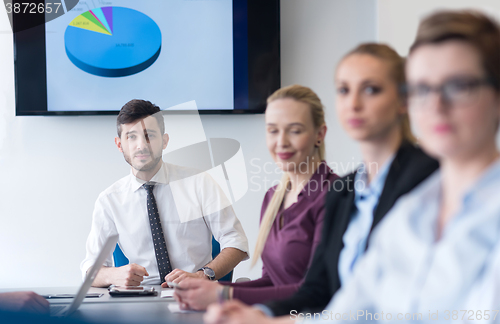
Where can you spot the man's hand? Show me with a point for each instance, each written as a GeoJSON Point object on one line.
{"type": "Point", "coordinates": [178, 275]}
{"type": "Point", "coordinates": [24, 301]}
{"type": "Point", "coordinates": [128, 275]}
{"type": "Point", "coordinates": [197, 294]}
{"type": "Point", "coordinates": [235, 312]}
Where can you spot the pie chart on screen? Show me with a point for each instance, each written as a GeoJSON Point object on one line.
{"type": "Point", "coordinates": [113, 41]}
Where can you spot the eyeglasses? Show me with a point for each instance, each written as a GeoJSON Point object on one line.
{"type": "Point", "coordinates": [461, 91]}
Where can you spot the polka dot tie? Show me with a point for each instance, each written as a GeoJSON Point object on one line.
{"type": "Point", "coordinates": [161, 252]}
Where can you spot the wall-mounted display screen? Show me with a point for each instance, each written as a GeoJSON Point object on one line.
{"type": "Point", "coordinates": [217, 56]}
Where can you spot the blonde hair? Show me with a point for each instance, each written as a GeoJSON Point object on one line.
{"type": "Point", "coordinates": [397, 73]}
{"type": "Point", "coordinates": [307, 96]}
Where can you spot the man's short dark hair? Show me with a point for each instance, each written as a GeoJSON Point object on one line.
{"type": "Point", "coordinates": [135, 110]}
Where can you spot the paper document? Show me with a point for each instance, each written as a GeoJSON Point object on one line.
{"type": "Point", "coordinates": [167, 293]}
{"type": "Point", "coordinates": [175, 308]}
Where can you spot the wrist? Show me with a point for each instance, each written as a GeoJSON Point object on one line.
{"type": "Point", "coordinates": [201, 274]}
{"type": "Point", "coordinates": [103, 277]}
{"type": "Point", "coordinates": [110, 275]}
{"type": "Point", "coordinates": [208, 272]}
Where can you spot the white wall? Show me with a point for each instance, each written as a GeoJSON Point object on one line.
{"type": "Point", "coordinates": [53, 168]}
{"type": "Point", "coordinates": [398, 19]}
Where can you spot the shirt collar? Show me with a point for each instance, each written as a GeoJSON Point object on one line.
{"type": "Point", "coordinates": [160, 177]}
{"type": "Point", "coordinates": [484, 188]}
{"type": "Point", "coordinates": [376, 186]}
{"type": "Point", "coordinates": [315, 184]}
{"type": "Point", "coordinates": [428, 196]}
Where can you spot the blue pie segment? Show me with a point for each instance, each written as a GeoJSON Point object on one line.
{"type": "Point", "coordinates": [113, 41]}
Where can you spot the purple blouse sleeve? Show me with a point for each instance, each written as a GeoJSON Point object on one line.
{"type": "Point", "coordinates": [262, 290]}
{"type": "Point", "coordinates": [265, 281]}
{"type": "Point", "coordinates": [257, 295]}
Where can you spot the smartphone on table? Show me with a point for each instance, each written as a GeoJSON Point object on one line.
{"type": "Point", "coordinates": [122, 291]}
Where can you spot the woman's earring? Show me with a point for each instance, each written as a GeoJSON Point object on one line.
{"type": "Point", "coordinates": [318, 143]}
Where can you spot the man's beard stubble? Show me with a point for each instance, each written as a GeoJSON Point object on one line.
{"type": "Point", "coordinates": [146, 167]}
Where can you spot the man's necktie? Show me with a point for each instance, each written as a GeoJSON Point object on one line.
{"type": "Point", "coordinates": [161, 252]}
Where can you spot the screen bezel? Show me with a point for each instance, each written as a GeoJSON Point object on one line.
{"type": "Point", "coordinates": [258, 51]}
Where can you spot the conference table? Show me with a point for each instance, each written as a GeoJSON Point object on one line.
{"type": "Point", "coordinates": [108, 309]}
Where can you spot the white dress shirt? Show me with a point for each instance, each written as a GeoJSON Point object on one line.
{"type": "Point", "coordinates": [409, 270]}
{"type": "Point", "coordinates": [192, 207]}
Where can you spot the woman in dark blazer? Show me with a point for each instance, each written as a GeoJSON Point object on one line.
{"type": "Point", "coordinates": [409, 168]}
{"type": "Point", "coordinates": [371, 107]}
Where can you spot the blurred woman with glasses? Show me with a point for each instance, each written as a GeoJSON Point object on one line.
{"type": "Point", "coordinates": [436, 256]}
{"type": "Point", "coordinates": [434, 246]}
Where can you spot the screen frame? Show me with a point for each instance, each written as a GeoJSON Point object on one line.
{"type": "Point", "coordinates": [258, 51]}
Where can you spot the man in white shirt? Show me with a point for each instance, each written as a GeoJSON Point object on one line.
{"type": "Point", "coordinates": [165, 215]}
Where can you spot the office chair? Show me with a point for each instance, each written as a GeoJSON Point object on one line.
{"type": "Point", "coordinates": [215, 252]}
{"type": "Point", "coordinates": [121, 260]}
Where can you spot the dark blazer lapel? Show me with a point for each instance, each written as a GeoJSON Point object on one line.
{"type": "Point", "coordinates": [346, 207]}
{"type": "Point", "coordinates": [342, 218]}
{"type": "Point", "coordinates": [391, 191]}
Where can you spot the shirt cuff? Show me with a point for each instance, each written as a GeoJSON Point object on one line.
{"type": "Point", "coordinates": [241, 248]}
{"type": "Point", "coordinates": [264, 309]}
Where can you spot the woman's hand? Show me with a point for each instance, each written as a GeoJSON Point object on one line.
{"type": "Point", "coordinates": [197, 293]}
{"type": "Point", "coordinates": [234, 312]}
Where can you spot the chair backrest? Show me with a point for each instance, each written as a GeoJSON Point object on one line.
{"type": "Point", "coordinates": [121, 260]}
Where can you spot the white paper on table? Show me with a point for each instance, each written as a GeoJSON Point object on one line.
{"type": "Point", "coordinates": [167, 293]}
{"type": "Point", "coordinates": [175, 308]}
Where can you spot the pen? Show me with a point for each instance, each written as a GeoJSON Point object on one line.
{"type": "Point", "coordinates": [220, 295]}
{"type": "Point", "coordinates": [174, 285]}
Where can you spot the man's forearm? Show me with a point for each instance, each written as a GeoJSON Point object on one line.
{"type": "Point", "coordinates": [225, 261]}
{"type": "Point", "coordinates": [101, 279]}
{"type": "Point", "coordinates": [128, 275]}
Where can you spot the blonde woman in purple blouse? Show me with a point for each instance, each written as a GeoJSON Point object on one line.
{"type": "Point", "coordinates": [292, 212]}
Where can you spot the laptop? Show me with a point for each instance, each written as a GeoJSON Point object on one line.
{"type": "Point", "coordinates": [66, 310]}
